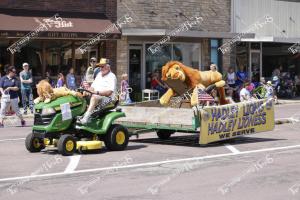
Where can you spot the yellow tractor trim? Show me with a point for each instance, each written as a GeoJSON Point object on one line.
{"type": "Point", "coordinates": [89, 145]}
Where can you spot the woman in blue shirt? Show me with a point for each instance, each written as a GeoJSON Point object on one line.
{"type": "Point", "coordinates": [71, 80]}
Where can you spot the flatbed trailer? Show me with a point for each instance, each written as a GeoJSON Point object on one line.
{"type": "Point", "coordinates": [210, 123]}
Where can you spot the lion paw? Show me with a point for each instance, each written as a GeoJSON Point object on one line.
{"type": "Point", "coordinates": [36, 101]}
{"type": "Point", "coordinates": [47, 100]}
{"type": "Point", "coordinates": [194, 102]}
{"type": "Point", "coordinates": [163, 101]}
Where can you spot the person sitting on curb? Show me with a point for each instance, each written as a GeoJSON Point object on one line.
{"type": "Point", "coordinates": [104, 86]}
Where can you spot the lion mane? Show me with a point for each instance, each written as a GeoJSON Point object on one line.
{"type": "Point", "coordinates": [193, 78]}
{"type": "Point", "coordinates": [192, 75]}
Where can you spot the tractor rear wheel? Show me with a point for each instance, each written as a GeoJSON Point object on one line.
{"type": "Point", "coordinates": [116, 139]}
{"type": "Point", "coordinates": [66, 145]}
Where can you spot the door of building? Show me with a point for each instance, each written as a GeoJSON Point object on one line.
{"type": "Point", "coordinates": [255, 59]}
{"type": "Point", "coordinates": [135, 70]}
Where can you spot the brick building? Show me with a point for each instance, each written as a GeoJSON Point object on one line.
{"type": "Point", "coordinates": [195, 46]}
{"type": "Point", "coordinates": [56, 49]}
{"type": "Point", "coordinates": [200, 27]}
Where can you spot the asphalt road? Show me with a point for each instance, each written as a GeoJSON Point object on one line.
{"type": "Point", "coordinates": [260, 166]}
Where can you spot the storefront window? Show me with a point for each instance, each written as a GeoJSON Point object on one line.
{"type": "Point", "coordinates": [32, 54]}
{"type": "Point", "coordinates": [214, 53]}
{"type": "Point", "coordinates": [156, 61]}
{"type": "Point", "coordinates": [242, 55]}
{"type": "Point", "coordinates": [4, 56]}
{"type": "Point", "coordinates": [188, 54]}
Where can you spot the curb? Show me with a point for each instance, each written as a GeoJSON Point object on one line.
{"type": "Point", "coordinates": [283, 102]}
{"type": "Point", "coordinates": [15, 117]}
{"type": "Point", "coordinates": [286, 121]}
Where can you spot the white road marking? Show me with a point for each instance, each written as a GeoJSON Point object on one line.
{"type": "Point", "coordinates": [232, 148]}
{"type": "Point", "coordinates": [74, 161]}
{"type": "Point", "coordinates": [12, 139]}
{"type": "Point", "coordinates": [150, 163]}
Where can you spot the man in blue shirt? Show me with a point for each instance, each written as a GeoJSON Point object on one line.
{"type": "Point", "coordinates": [9, 87]}
{"type": "Point", "coordinates": [26, 91]}
{"type": "Point", "coordinates": [242, 76]}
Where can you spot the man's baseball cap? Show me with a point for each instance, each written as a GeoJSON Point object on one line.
{"type": "Point", "coordinates": [103, 61]}
{"type": "Point", "coordinates": [25, 64]}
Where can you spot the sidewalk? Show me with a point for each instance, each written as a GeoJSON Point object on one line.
{"type": "Point", "coordinates": [29, 115]}
{"type": "Point", "coordinates": [289, 101]}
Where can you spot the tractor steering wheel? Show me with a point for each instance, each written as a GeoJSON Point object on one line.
{"type": "Point", "coordinates": [84, 90]}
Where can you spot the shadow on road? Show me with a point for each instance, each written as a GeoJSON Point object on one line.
{"type": "Point", "coordinates": [96, 151]}
{"type": "Point", "coordinates": [193, 141]}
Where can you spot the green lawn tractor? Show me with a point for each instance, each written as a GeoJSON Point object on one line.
{"type": "Point", "coordinates": [54, 129]}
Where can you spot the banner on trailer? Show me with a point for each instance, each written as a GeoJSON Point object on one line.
{"type": "Point", "coordinates": [234, 120]}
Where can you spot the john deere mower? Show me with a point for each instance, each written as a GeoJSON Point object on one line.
{"type": "Point", "coordinates": [53, 130]}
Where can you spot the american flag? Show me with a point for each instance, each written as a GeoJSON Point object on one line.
{"type": "Point", "coordinates": [204, 97]}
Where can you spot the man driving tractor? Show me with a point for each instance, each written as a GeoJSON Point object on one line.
{"type": "Point", "coordinates": [103, 86]}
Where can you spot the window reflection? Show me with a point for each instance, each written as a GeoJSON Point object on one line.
{"type": "Point", "coordinates": [188, 54]}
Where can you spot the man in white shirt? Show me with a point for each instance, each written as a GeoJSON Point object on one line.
{"type": "Point", "coordinates": [104, 86]}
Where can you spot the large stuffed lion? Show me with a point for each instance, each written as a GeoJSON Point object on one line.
{"type": "Point", "coordinates": [194, 79]}
{"type": "Point", "coordinates": [46, 93]}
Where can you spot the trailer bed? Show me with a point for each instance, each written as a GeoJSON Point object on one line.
{"type": "Point", "coordinates": [151, 115]}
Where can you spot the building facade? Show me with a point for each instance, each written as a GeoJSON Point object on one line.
{"type": "Point", "coordinates": [275, 24]}
{"type": "Point", "coordinates": [56, 48]}
{"type": "Point", "coordinates": [174, 25]}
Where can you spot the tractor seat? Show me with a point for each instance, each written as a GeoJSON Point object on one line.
{"type": "Point", "coordinates": [109, 106]}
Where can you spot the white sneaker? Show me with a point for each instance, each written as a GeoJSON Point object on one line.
{"type": "Point", "coordinates": [85, 118]}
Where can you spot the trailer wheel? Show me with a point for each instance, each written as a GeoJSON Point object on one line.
{"type": "Point", "coordinates": [66, 145]}
{"type": "Point", "coordinates": [164, 134]}
{"type": "Point", "coordinates": [33, 143]}
{"type": "Point", "coordinates": [116, 139]}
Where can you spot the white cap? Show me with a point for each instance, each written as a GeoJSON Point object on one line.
{"type": "Point", "coordinates": [24, 64]}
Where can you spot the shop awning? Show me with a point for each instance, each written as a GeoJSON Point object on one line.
{"type": "Point", "coordinates": [272, 39]}
{"type": "Point", "coordinates": [185, 34]}
{"type": "Point", "coordinates": [56, 27]}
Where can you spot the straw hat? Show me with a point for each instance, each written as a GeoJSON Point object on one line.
{"type": "Point", "coordinates": [103, 61]}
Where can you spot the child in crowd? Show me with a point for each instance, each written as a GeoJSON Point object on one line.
{"type": "Point", "coordinates": [245, 93]}
{"type": "Point", "coordinates": [125, 90]}
{"type": "Point", "coordinates": [60, 81]}
{"type": "Point", "coordinates": [157, 84]}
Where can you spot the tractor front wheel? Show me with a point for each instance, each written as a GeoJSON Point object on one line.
{"type": "Point", "coordinates": [34, 143]}
{"type": "Point", "coordinates": [116, 139]}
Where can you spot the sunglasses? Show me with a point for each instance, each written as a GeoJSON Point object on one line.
{"type": "Point", "coordinates": [93, 61]}
{"type": "Point", "coordinates": [14, 71]}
